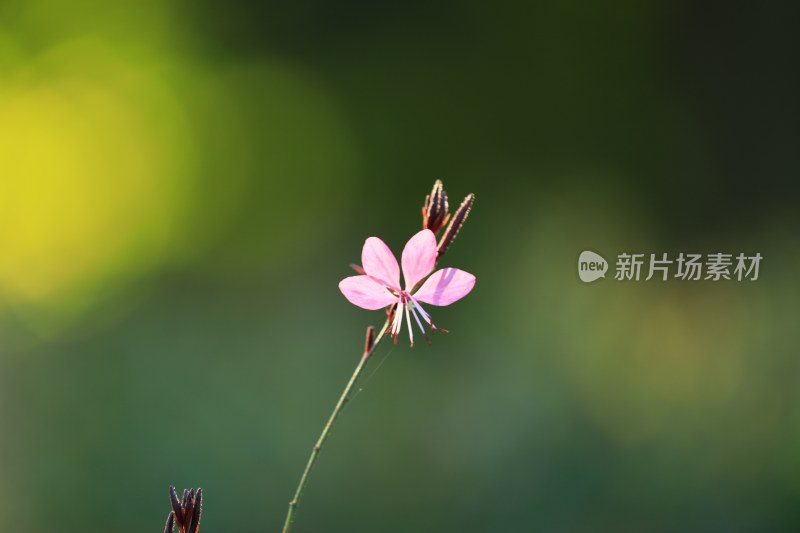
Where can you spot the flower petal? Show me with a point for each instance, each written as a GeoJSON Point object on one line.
{"type": "Point", "coordinates": [379, 262]}
{"type": "Point", "coordinates": [445, 286]}
{"type": "Point", "coordinates": [419, 257]}
{"type": "Point", "coordinates": [366, 293]}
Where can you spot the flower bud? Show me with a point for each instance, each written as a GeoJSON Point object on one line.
{"type": "Point", "coordinates": [170, 527]}
{"type": "Point", "coordinates": [456, 224]}
{"type": "Point", "coordinates": [435, 211]}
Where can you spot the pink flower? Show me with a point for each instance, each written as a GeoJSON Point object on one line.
{"type": "Point", "coordinates": [379, 286]}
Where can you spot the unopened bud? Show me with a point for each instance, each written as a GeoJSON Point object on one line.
{"type": "Point", "coordinates": [170, 523]}
{"type": "Point", "coordinates": [435, 211]}
{"type": "Point", "coordinates": [176, 504]}
{"type": "Point", "coordinates": [369, 341]}
{"type": "Point", "coordinates": [456, 223]}
{"type": "Point", "coordinates": [194, 525]}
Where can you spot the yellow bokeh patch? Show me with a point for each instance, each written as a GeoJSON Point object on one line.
{"type": "Point", "coordinates": [93, 177]}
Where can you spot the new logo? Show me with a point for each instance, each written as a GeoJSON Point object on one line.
{"type": "Point", "coordinates": [591, 266]}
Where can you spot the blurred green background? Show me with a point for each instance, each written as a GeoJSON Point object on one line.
{"type": "Point", "coordinates": [182, 186]}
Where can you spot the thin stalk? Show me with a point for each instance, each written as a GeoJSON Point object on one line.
{"type": "Point", "coordinates": [368, 350]}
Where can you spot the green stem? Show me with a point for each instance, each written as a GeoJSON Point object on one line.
{"type": "Point", "coordinates": [368, 350]}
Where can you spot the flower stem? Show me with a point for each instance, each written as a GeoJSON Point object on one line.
{"type": "Point", "coordinates": [368, 351]}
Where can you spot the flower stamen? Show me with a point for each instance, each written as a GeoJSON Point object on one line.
{"type": "Point", "coordinates": [398, 321]}
{"type": "Point", "coordinates": [408, 322]}
{"type": "Point", "coordinates": [421, 327]}
{"type": "Point", "coordinates": [416, 317]}
{"type": "Point", "coordinates": [426, 316]}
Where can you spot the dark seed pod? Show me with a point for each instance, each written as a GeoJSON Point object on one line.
{"type": "Point", "coordinates": [456, 223]}
{"type": "Point", "coordinates": [185, 501]}
{"type": "Point", "coordinates": [170, 523]}
{"type": "Point", "coordinates": [194, 525]}
{"type": "Point", "coordinates": [369, 340]}
{"type": "Point", "coordinates": [185, 512]}
{"type": "Point", "coordinates": [435, 211]}
{"type": "Point", "coordinates": [176, 504]}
